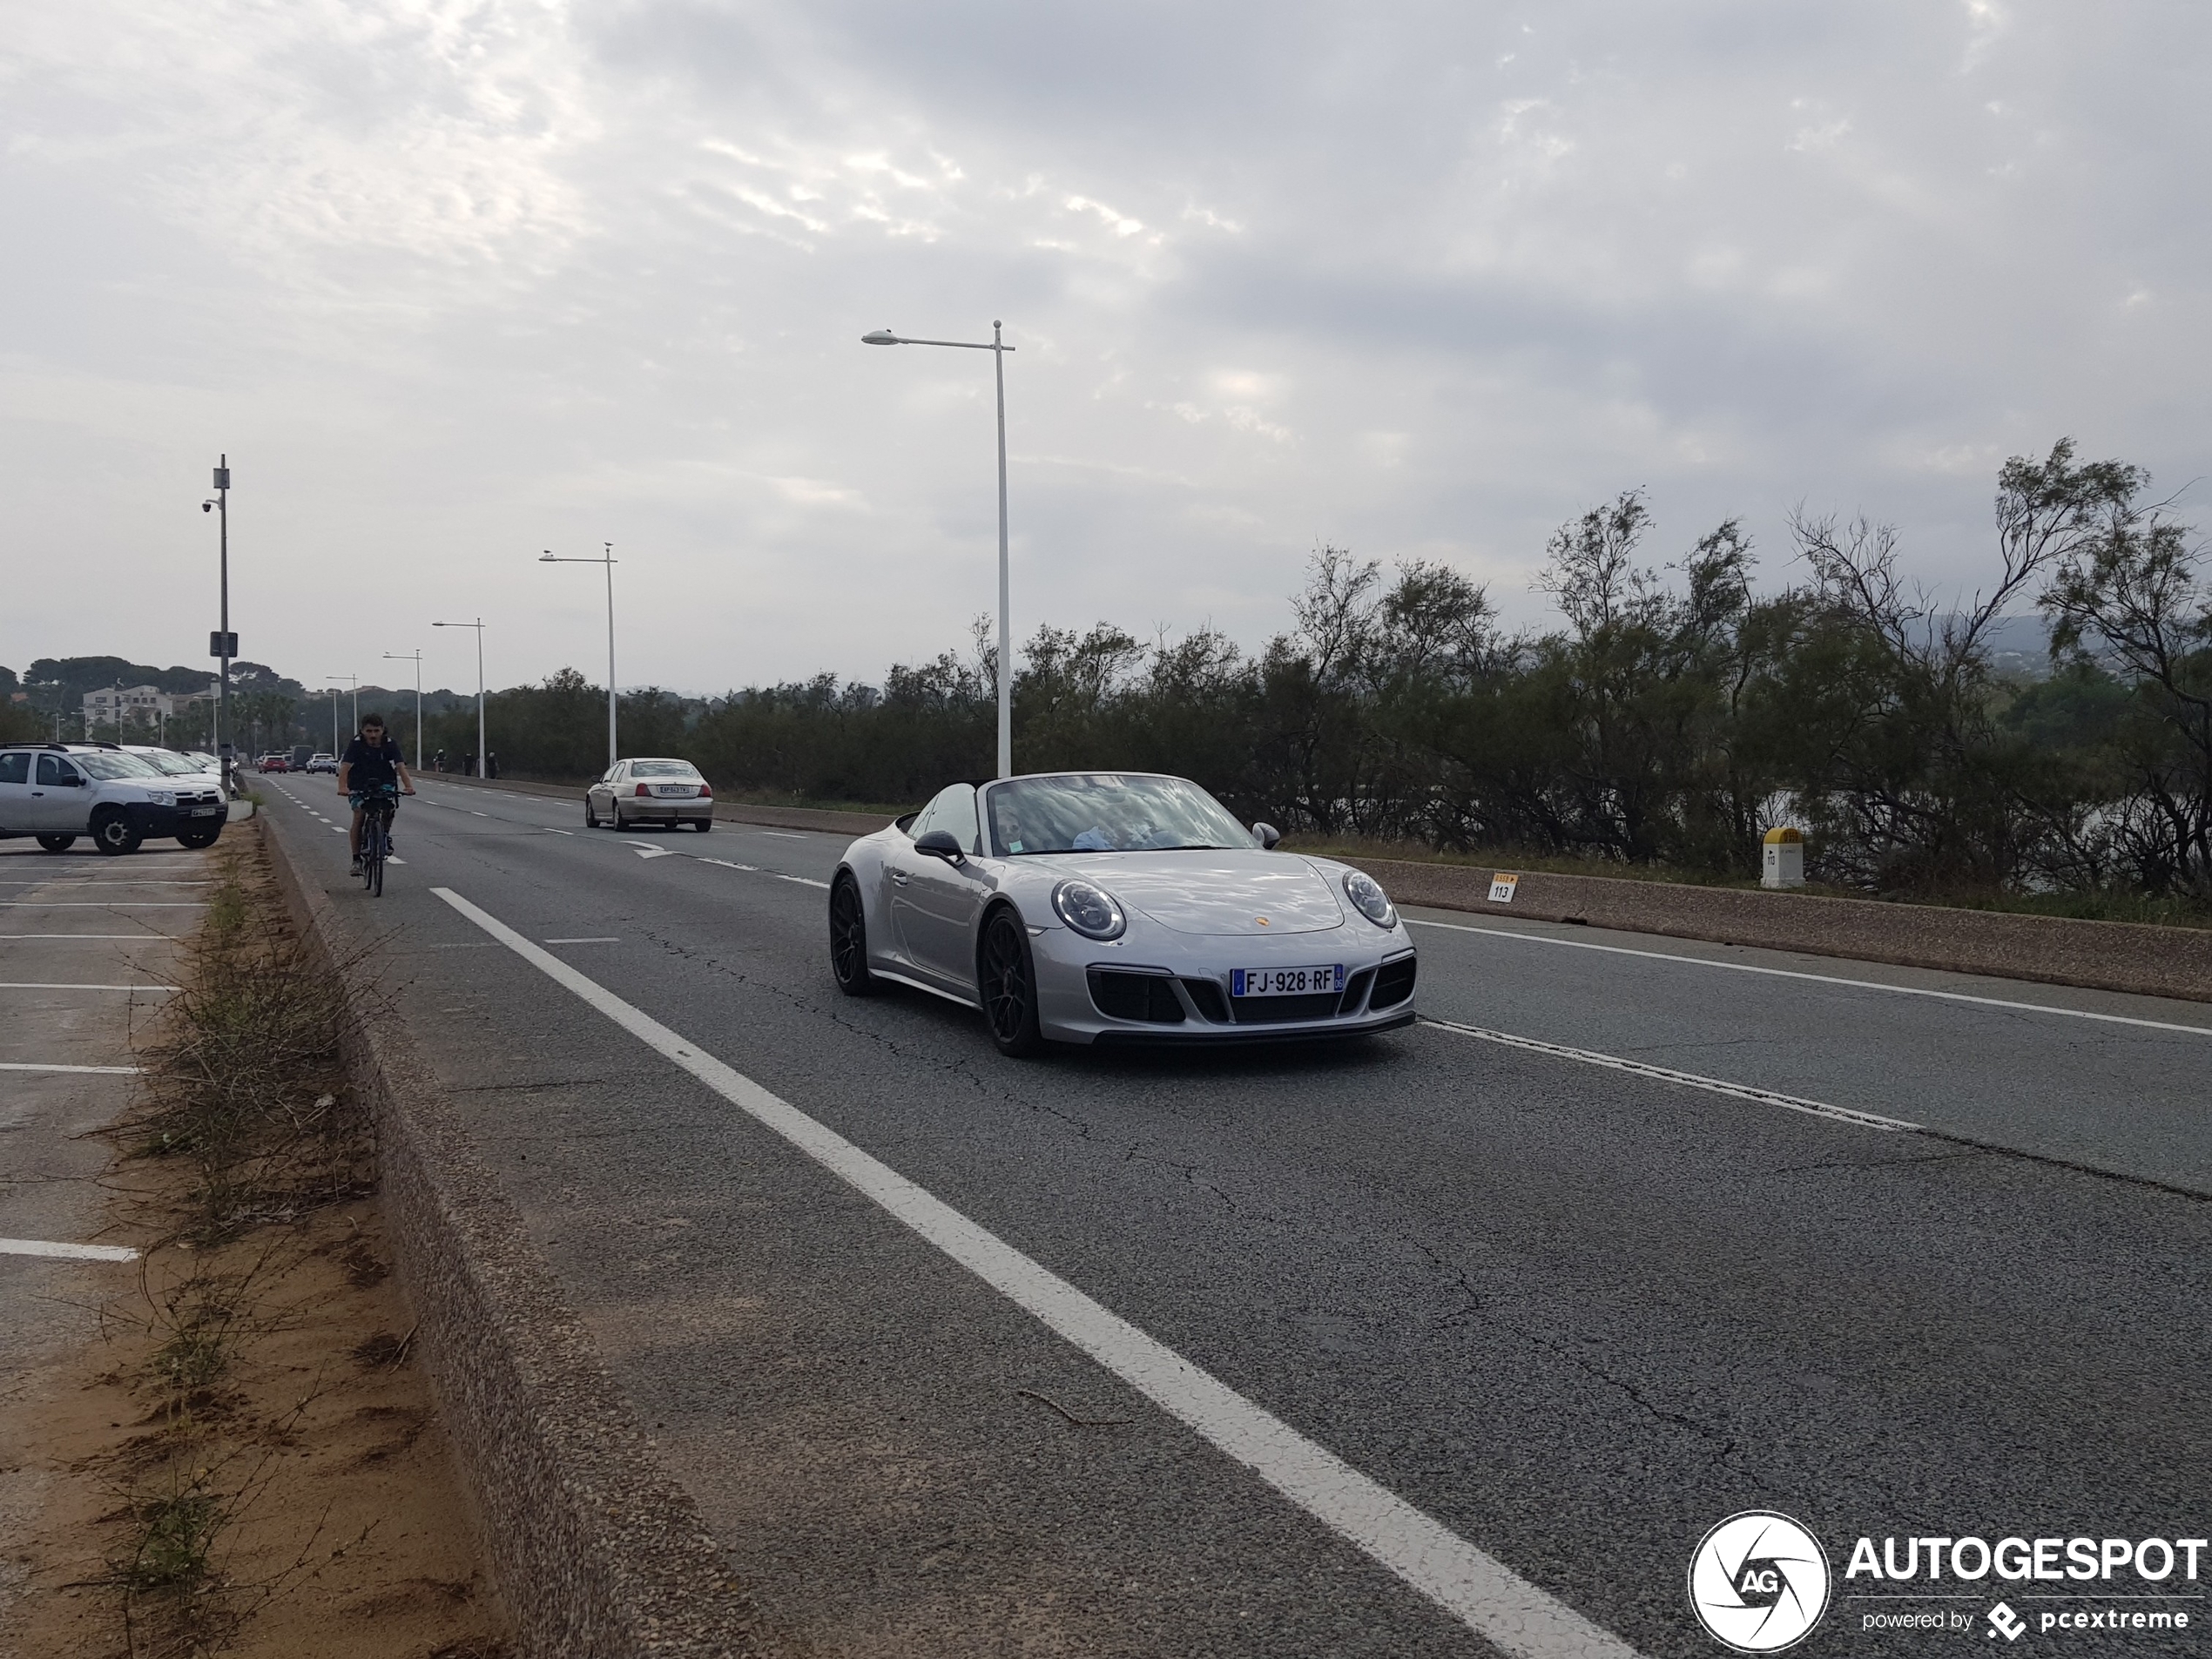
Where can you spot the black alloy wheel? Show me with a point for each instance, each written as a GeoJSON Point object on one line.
{"type": "Point", "coordinates": [57, 843]}
{"type": "Point", "coordinates": [114, 833]}
{"type": "Point", "coordinates": [848, 924]}
{"type": "Point", "coordinates": [1009, 982]}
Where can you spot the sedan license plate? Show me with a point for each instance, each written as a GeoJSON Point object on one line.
{"type": "Point", "coordinates": [1285, 982]}
{"type": "Point", "coordinates": [671, 789]}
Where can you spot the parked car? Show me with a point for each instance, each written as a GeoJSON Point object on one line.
{"type": "Point", "coordinates": [276, 763]}
{"type": "Point", "coordinates": [173, 763]}
{"type": "Point", "coordinates": [1116, 907]}
{"type": "Point", "coordinates": [321, 763]}
{"type": "Point", "coordinates": [650, 792]}
{"type": "Point", "coordinates": [57, 791]}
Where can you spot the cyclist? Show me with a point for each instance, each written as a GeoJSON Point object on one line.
{"type": "Point", "coordinates": [371, 766]}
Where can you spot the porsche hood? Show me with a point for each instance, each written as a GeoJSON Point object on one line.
{"type": "Point", "coordinates": [1225, 892]}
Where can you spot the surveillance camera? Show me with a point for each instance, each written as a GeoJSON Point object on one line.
{"type": "Point", "coordinates": [207, 507]}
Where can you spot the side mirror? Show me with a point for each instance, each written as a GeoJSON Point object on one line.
{"type": "Point", "coordinates": [939, 844]}
{"type": "Point", "coordinates": [1268, 836]}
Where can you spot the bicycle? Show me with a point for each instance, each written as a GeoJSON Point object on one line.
{"type": "Point", "coordinates": [376, 838]}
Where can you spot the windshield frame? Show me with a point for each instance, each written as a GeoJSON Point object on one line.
{"type": "Point", "coordinates": [1007, 791]}
{"type": "Point", "coordinates": [670, 767]}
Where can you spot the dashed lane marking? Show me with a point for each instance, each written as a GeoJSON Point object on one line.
{"type": "Point", "coordinates": [1686, 1079]}
{"type": "Point", "coordinates": [1469, 1583]}
{"type": "Point", "coordinates": [75, 1253]}
{"type": "Point", "coordinates": [1822, 979]}
{"type": "Point", "coordinates": [653, 851]}
{"type": "Point", "coordinates": [607, 940]}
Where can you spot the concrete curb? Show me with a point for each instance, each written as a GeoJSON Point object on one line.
{"type": "Point", "coordinates": [2104, 955]}
{"type": "Point", "coordinates": [595, 1549]}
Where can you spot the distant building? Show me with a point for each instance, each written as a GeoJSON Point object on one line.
{"type": "Point", "coordinates": [116, 706]}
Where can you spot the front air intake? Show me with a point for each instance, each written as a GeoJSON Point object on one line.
{"type": "Point", "coordinates": [1147, 998]}
{"type": "Point", "coordinates": [1393, 983]}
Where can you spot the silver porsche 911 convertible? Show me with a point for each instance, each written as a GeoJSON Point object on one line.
{"type": "Point", "coordinates": [1116, 907]}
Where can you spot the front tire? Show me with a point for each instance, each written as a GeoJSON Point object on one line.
{"type": "Point", "coordinates": [848, 926]}
{"type": "Point", "coordinates": [590, 818]}
{"type": "Point", "coordinates": [114, 833]}
{"type": "Point", "coordinates": [1006, 976]}
{"type": "Point", "coordinates": [57, 843]}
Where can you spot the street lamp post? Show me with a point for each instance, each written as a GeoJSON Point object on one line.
{"type": "Point", "coordinates": [336, 748]}
{"type": "Point", "coordinates": [416, 658]}
{"type": "Point", "coordinates": [998, 348]}
{"type": "Point", "coordinates": [608, 559]}
{"type": "Point", "coordinates": [479, 626]}
{"type": "Point", "coordinates": [221, 507]}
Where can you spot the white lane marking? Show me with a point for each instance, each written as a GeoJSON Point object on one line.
{"type": "Point", "coordinates": [104, 1071]}
{"type": "Point", "coordinates": [781, 835]}
{"type": "Point", "coordinates": [653, 851]}
{"type": "Point", "coordinates": [335, 829]}
{"type": "Point", "coordinates": [31, 985]}
{"type": "Point", "coordinates": [1474, 1586]}
{"type": "Point", "coordinates": [76, 1252]}
{"type": "Point", "coordinates": [394, 858]}
{"type": "Point", "coordinates": [754, 869]}
{"type": "Point", "coordinates": [1687, 1079]}
{"type": "Point", "coordinates": [101, 904]}
{"type": "Point", "coordinates": [1823, 979]}
{"type": "Point", "coordinates": [606, 940]}
{"type": "Point", "coordinates": [554, 832]}
{"type": "Point", "coordinates": [473, 813]}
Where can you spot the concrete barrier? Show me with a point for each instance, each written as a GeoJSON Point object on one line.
{"type": "Point", "coordinates": [595, 1550]}
{"type": "Point", "coordinates": [2105, 956]}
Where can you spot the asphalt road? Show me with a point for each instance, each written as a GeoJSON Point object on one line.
{"type": "Point", "coordinates": [1575, 1313]}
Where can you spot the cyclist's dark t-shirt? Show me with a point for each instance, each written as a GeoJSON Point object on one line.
{"type": "Point", "coordinates": [376, 768]}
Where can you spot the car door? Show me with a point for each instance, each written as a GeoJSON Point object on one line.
{"type": "Point", "coordinates": [602, 793]}
{"type": "Point", "coordinates": [15, 791]}
{"type": "Point", "coordinates": [59, 798]}
{"type": "Point", "coordinates": [942, 899]}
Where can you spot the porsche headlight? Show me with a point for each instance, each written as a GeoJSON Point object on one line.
{"type": "Point", "coordinates": [1368, 898]}
{"type": "Point", "coordinates": [1089, 909]}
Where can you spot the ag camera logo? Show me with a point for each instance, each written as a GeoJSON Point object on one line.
{"type": "Point", "coordinates": [1759, 1581]}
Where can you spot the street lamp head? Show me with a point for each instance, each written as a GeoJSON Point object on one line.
{"type": "Point", "coordinates": [546, 557]}
{"type": "Point", "coordinates": [881, 337]}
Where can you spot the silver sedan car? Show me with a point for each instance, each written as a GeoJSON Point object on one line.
{"type": "Point", "coordinates": [650, 792]}
{"type": "Point", "coordinates": [1116, 907]}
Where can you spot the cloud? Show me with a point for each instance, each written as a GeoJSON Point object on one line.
{"type": "Point", "coordinates": [453, 279]}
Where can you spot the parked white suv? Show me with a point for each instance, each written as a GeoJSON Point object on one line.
{"type": "Point", "coordinates": [57, 791]}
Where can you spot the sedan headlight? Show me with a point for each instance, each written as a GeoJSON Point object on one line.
{"type": "Point", "coordinates": [162, 797]}
{"type": "Point", "coordinates": [1089, 909]}
{"type": "Point", "coordinates": [1368, 898]}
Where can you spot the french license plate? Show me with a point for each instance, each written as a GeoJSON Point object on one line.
{"type": "Point", "coordinates": [671, 789]}
{"type": "Point", "coordinates": [1285, 982]}
{"type": "Point", "coordinates": [199, 812]}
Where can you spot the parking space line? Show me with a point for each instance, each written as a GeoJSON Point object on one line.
{"type": "Point", "coordinates": [101, 904]}
{"type": "Point", "coordinates": [75, 1253]}
{"type": "Point", "coordinates": [132, 939]}
{"type": "Point", "coordinates": [1823, 979]}
{"type": "Point", "coordinates": [1686, 1079]}
{"type": "Point", "coordinates": [1466, 1583]}
{"type": "Point", "coordinates": [104, 1071]}
{"type": "Point", "coordinates": [33, 985]}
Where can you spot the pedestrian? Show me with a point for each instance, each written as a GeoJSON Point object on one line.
{"type": "Point", "coordinates": [442, 760]}
{"type": "Point", "coordinates": [469, 764]}
{"type": "Point", "coordinates": [491, 763]}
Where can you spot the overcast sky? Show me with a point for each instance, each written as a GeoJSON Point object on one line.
{"type": "Point", "coordinates": [457, 281]}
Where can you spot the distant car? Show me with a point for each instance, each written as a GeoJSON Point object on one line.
{"type": "Point", "coordinates": [321, 763]}
{"type": "Point", "coordinates": [276, 763]}
{"type": "Point", "coordinates": [1116, 907]}
{"type": "Point", "coordinates": [650, 791]}
{"type": "Point", "coordinates": [57, 791]}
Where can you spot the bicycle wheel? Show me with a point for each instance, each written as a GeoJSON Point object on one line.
{"type": "Point", "coordinates": [376, 869]}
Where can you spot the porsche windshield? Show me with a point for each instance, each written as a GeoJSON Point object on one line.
{"type": "Point", "coordinates": [1105, 811]}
